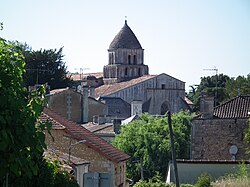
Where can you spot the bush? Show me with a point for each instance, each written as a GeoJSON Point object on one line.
{"type": "Point", "coordinates": [187, 185]}
{"type": "Point", "coordinates": [204, 181]}
{"type": "Point", "coordinates": [150, 183]}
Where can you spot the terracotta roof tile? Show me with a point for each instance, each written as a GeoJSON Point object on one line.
{"type": "Point", "coordinates": [78, 77]}
{"type": "Point", "coordinates": [238, 107]}
{"type": "Point", "coordinates": [78, 132]}
{"type": "Point", "coordinates": [108, 89]}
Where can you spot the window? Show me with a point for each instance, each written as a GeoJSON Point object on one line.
{"type": "Point", "coordinates": [135, 59]}
{"type": "Point", "coordinates": [129, 59]}
{"type": "Point", "coordinates": [126, 71]}
{"type": "Point", "coordinates": [163, 86]}
{"type": "Point", "coordinates": [139, 72]}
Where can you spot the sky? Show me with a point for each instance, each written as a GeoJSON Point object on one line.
{"type": "Point", "coordinates": [180, 37]}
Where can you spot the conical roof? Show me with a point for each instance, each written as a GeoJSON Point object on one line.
{"type": "Point", "coordinates": [125, 39]}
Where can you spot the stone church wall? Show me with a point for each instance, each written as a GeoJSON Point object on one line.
{"type": "Point", "coordinates": [159, 89]}
{"type": "Point", "coordinates": [212, 138]}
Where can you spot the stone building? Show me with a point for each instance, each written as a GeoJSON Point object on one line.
{"type": "Point", "coordinates": [127, 77]}
{"type": "Point", "coordinates": [217, 134]}
{"type": "Point", "coordinates": [103, 158]}
{"type": "Point", "coordinates": [79, 106]}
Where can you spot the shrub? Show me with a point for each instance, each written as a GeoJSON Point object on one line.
{"type": "Point", "coordinates": [204, 181]}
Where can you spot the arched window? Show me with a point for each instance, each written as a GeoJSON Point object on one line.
{"type": "Point", "coordinates": [135, 60]}
{"type": "Point", "coordinates": [126, 71]}
{"type": "Point", "coordinates": [129, 59]}
{"type": "Point", "coordinates": [139, 72]}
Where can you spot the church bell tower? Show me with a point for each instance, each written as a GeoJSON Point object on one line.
{"type": "Point", "coordinates": [126, 58]}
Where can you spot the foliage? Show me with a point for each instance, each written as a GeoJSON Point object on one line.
{"type": "Point", "coordinates": [187, 185]}
{"type": "Point", "coordinates": [18, 116]}
{"type": "Point", "coordinates": [204, 181]}
{"type": "Point", "coordinates": [239, 85]}
{"type": "Point", "coordinates": [147, 142]}
{"type": "Point", "coordinates": [49, 174]}
{"type": "Point", "coordinates": [22, 140]}
{"type": "Point", "coordinates": [150, 183]}
{"type": "Point", "coordinates": [208, 85]}
{"type": "Point", "coordinates": [247, 133]}
{"type": "Point", "coordinates": [44, 66]}
{"type": "Point", "coordinates": [240, 179]}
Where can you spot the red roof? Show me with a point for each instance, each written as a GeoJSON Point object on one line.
{"type": "Point", "coordinates": [108, 89]}
{"type": "Point", "coordinates": [79, 133]}
{"type": "Point", "coordinates": [78, 76]}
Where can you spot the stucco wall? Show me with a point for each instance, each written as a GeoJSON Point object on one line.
{"type": "Point", "coordinates": [212, 138]}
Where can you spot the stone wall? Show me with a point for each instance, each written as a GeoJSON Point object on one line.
{"type": "Point", "coordinates": [212, 138]}
{"type": "Point", "coordinates": [160, 89]}
{"type": "Point", "coordinates": [97, 162]}
{"type": "Point", "coordinates": [69, 105]}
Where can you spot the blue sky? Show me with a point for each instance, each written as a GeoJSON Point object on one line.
{"type": "Point", "coordinates": [180, 38]}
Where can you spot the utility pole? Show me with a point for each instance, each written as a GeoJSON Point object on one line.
{"type": "Point", "coordinates": [173, 149]}
{"type": "Point", "coordinates": [216, 83]}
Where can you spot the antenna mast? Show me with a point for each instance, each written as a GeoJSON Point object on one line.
{"type": "Point", "coordinates": [216, 82]}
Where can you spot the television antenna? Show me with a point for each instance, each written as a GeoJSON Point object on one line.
{"type": "Point", "coordinates": [216, 81]}
{"type": "Point", "coordinates": [37, 72]}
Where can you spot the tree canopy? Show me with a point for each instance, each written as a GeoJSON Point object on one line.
{"type": "Point", "coordinates": [222, 87]}
{"type": "Point", "coordinates": [18, 116]}
{"type": "Point", "coordinates": [147, 142]}
{"type": "Point", "coordinates": [46, 66]}
{"type": "Point", "coordinates": [22, 140]}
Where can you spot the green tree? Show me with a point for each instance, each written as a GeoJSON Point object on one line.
{"type": "Point", "coordinates": [44, 66]}
{"type": "Point", "coordinates": [239, 85]}
{"type": "Point", "coordinates": [22, 140]}
{"type": "Point", "coordinates": [147, 142]}
{"type": "Point", "coordinates": [212, 85]}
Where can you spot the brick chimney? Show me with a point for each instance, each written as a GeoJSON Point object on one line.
{"type": "Point", "coordinates": [206, 106]}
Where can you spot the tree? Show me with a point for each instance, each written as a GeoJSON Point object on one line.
{"type": "Point", "coordinates": [44, 66]}
{"type": "Point", "coordinates": [147, 142]}
{"type": "Point", "coordinates": [22, 140]}
{"type": "Point", "coordinates": [240, 85]}
{"type": "Point", "coordinates": [213, 86]}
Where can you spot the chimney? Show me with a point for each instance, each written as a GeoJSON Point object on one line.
{"type": "Point", "coordinates": [206, 106]}
{"type": "Point", "coordinates": [92, 91]}
{"type": "Point", "coordinates": [117, 125]}
{"type": "Point", "coordinates": [85, 104]}
{"type": "Point", "coordinates": [136, 108]}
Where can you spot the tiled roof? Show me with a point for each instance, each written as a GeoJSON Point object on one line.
{"type": "Point", "coordinates": [125, 39]}
{"type": "Point", "coordinates": [93, 127]}
{"type": "Point", "coordinates": [108, 89]}
{"type": "Point", "coordinates": [78, 77]}
{"type": "Point", "coordinates": [56, 91]}
{"type": "Point", "coordinates": [55, 124]}
{"type": "Point", "coordinates": [238, 107]}
{"type": "Point", "coordinates": [79, 133]}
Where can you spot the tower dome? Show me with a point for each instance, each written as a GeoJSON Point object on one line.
{"type": "Point", "coordinates": [125, 39]}
{"type": "Point", "coordinates": [126, 58]}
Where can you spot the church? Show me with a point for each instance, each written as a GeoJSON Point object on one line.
{"type": "Point", "coordinates": [127, 77]}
